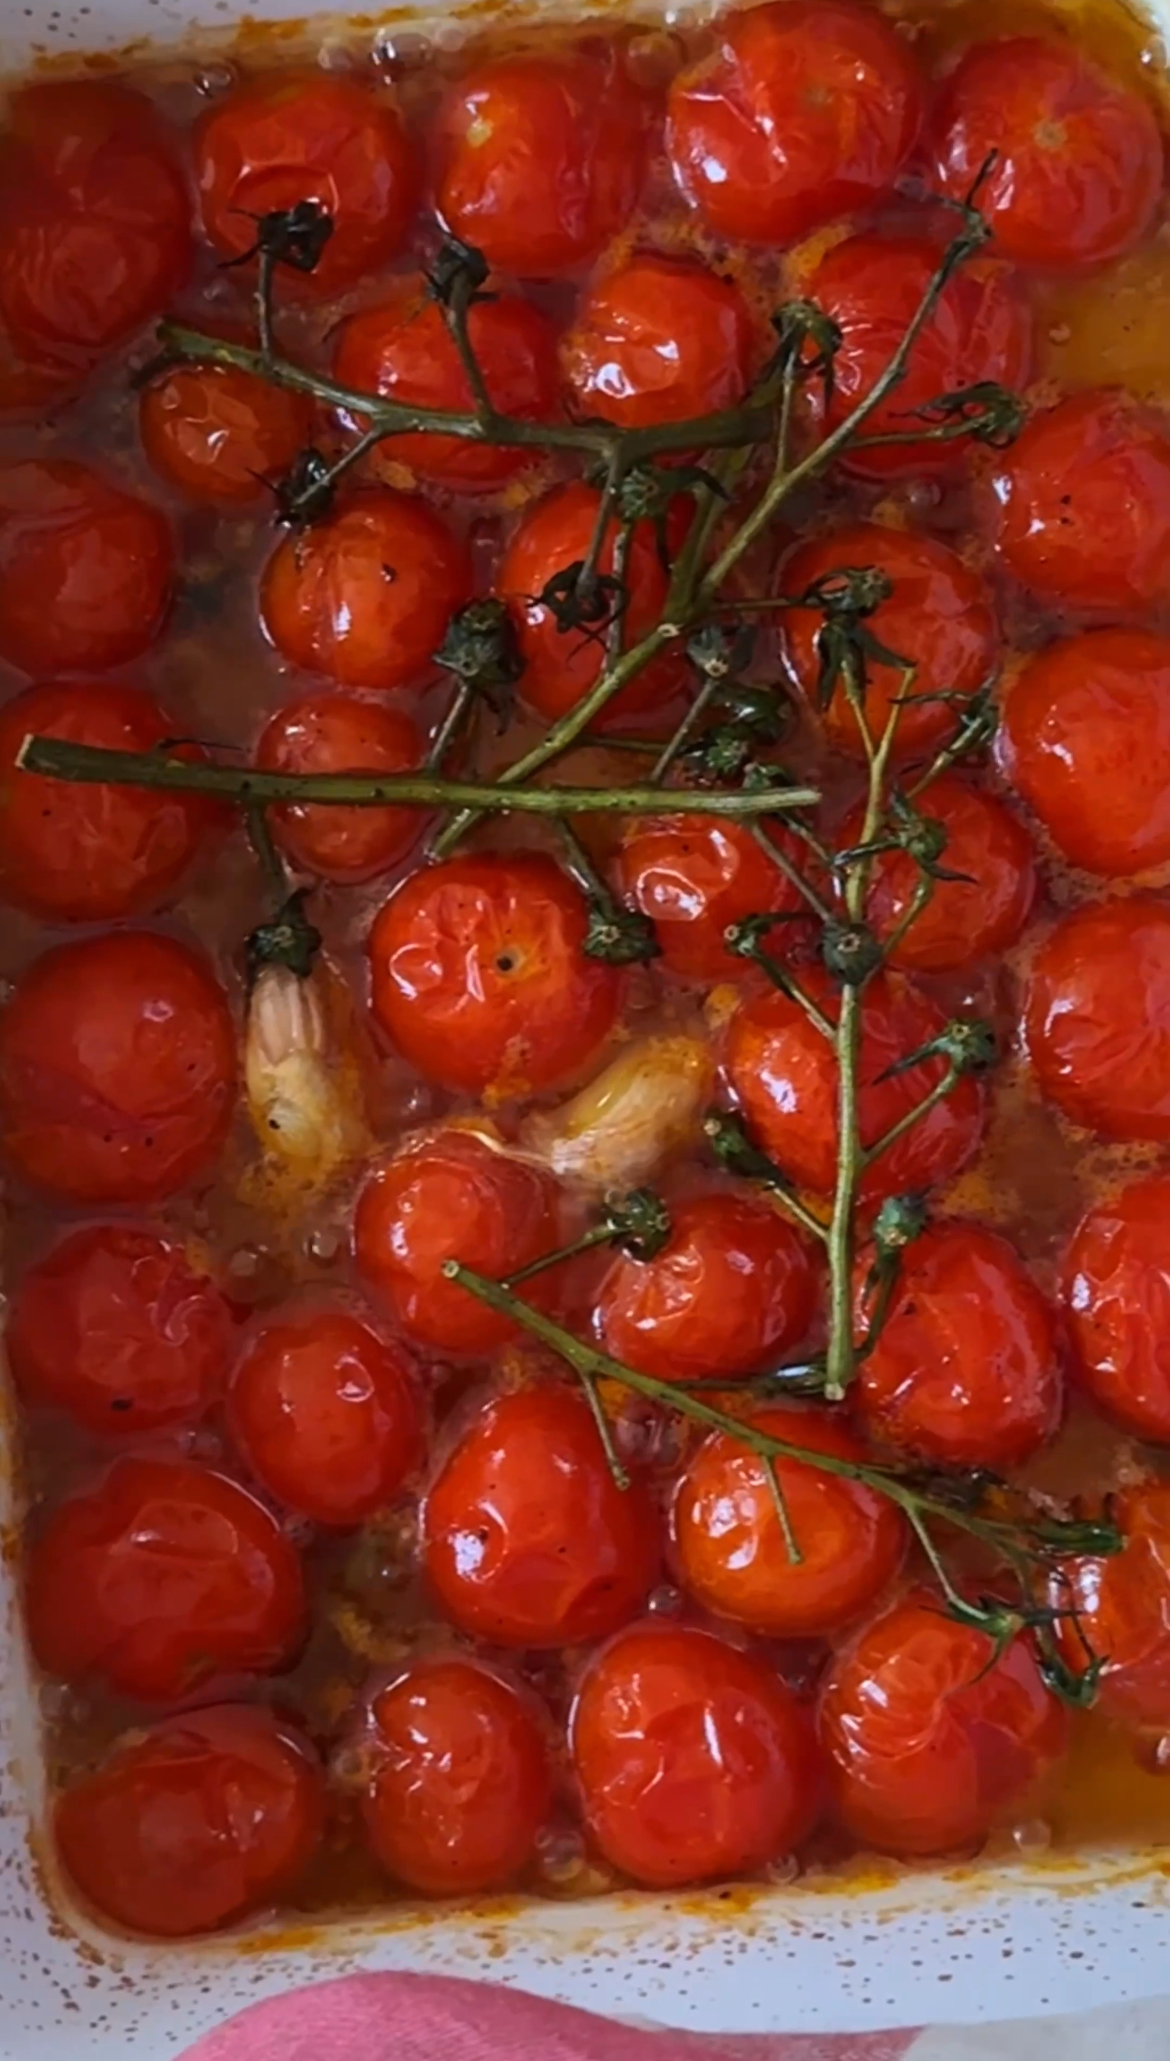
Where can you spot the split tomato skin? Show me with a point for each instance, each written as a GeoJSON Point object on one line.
{"type": "Point", "coordinates": [341, 733]}
{"type": "Point", "coordinates": [86, 569]}
{"type": "Point", "coordinates": [658, 339]}
{"type": "Point", "coordinates": [1097, 1018]}
{"type": "Point", "coordinates": [1116, 1295]}
{"type": "Point", "coordinates": [694, 876]}
{"type": "Point", "coordinates": [1122, 1606]}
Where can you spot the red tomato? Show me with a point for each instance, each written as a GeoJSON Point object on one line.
{"type": "Point", "coordinates": [479, 979]}
{"type": "Point", "coordinates": [95, 231]}
{"type": "Point", "coordinates": [784, 1075]}
{"type": "Point", "coordinates": [734, 1286]}
{"type": "Point", "coordinates": [1077, 170]}
{"type": "Point", "coordinates": [981, 329]}
{"type": "Point", "coordinates": [693, 876]}
{"type": "Point", "coordinates": [33, 383]}
{"type": "Point", "coordinates": [560, 666]}
{"type": "Point", "coordinates": [185, 1827]}
{"type": "Point", "coordinates": [658, 339]}
{"type": "Point", "coordinates": [939, 617]}
{"type": "Point", "coordinates": [931, 1738]}
{"type": "Point", "coordinates": [528, 1540]}
{"type": "Point", "coordinates": [803, 113]}
{"type": "Point", "coordinates": [966, 919]}
{"type": "Point", "coordinates": [78, 854]}
{"type": "Point", "coordinates": [693, 1759]}
{"type": "Point", "coordinates": [966, 1369]}
{"type": "Point", "coordinates": [732, 1555]}
{"type": "Point", "coordinates": [1097, 1018]}
{"type": "Point", "coordinates": [365, 596]}
{"type": "Point", "coordinates": [85, 568]}
{"type": "Point", "coordinates": [402, 349]}
{"type": "Point", "coordinates": [117, 1068]}
{"type": "Point", "coordinates": [1082, 505]}
{"type": "Point", "coordinates": [220, 434]}
{"type": "Point", "coordinates": [308, 135]}
{"type": "Point", "coordinates": [1123, 1610]}
{"type": "Point", "coordinates": [163, 1576]}
{"type": "Point", "coordinates": [540, 159]}
{"type": "Point", "coordinates": [326, 1415]}
{"type": "Point", "coordinates": [1086, 741]}
{"type": "Point", "coordinates": [461, 1782]}
{"type": "Point", "coordinates": [1117, 1307]}
{"type": "Point", "coordinates": [119, 1329]}
{"type": "Point", "coordinates": [450, 1196]}
{"type": "Point", "coordinates": [337, 733]}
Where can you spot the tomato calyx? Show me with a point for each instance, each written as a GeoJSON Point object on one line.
{"type": "Point", "coordinates": [295, 236]}
{"type": "Point", "coordinates": [289, 940]}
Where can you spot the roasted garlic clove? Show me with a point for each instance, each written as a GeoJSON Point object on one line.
{"type": "Point", "coordinates": [643, 1108]}
{"type": "Point", "coordinates": [303, 1087]}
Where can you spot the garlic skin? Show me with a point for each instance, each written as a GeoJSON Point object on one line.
{"type": "Point", "coordinates": [644, 1107]}
{"type": "Point", "coordinates": [303, 1089]}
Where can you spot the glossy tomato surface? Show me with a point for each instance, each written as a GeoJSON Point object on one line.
{"type": "Point", "coordinates": [658, 339]}
{"type": "Point", "coordinates": [1117, 1306]}
{"type": "Point", "coordinates": [968, 918]}
{"type": "Point", "coordinates": [1097, 1017]}
{"type": "Point", "coordinates": [693, 876]}
{"type": "Point", "coordinates": [340, 733]}
{"type": "Point", "coordinates": [222, 435]}
{"type": "Point", "coordinates": [1122, 1607]}
{"type": "Point", "coordinates": [85, 568]}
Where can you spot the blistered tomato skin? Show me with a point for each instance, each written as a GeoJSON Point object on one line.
{"type": "Point", "coordinates": [527, 1539]}
{"type": "Point", "coordinates": [732, 1555]}
{"type": "Point", "coordinates": [161, 1577]}
{"type": "Point", "coordinates": [187, 1826]}
{"type": "Point", "coordinates": [658, 339]}
{"type": "Point", "coordinates": [804, 113]}
{"type": "Point", "coordinates": [85, 568]}
{"type": "Point", "coordinates": [693, 876]}
{"type": "Point", "coordinates": [1116, 1303]}
{"type": "Point", "coordinates": [339, 733]}
{"type": "Point", "coordinates": [931, 1738]}
{"type": "Point", "coordinates": [224, 437]}
{"type": "Point", "coordinates": [1123, 1610]}
{"type": "Point", "coordinates": [965, 919]}
{"type": "Point", "coordinates": [461, 1782]}
{"type": "Point", "coordinates": [692, 1759]}
{"type": "Point", "coordinates": [1097, 1018]}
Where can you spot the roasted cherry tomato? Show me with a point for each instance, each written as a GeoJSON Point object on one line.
{"type": "Point", "coordinates": [1116, 1303]}
{"type": "Point", "coordinates": [95, 230]}
{"type": "Point", "coordinates": [189, 1825]}
{"type": "Point", "coordinates": [931, 1734]}
{"type": "Point", "coordinates": [402, 349]}
{"type": "Point", "coordinates": [1082, 505]}
{"type": "Point", "coordinates": [365, 595]}
{"type": "Point", "coordinates": [85, 568]}
{"type": "Point", "coordinates": [540, 159]}
{"type": "Point", "coordinates": [803, 112]}
{"type": "Point", "coordinates": [162, 1576]}
{"type": "Point", "coordinates": [220, 434]}
{"type": "Point", "coordinates": [338, 733]}
{"type": "Point", "coordinates": [784, 1074]}
{"type": "Point", "coordinates": [967, 918]}
{"type": "Point", "coordinates": [121, 1330]}
{"type": "Point", "coordinates": [561, 665]}
{"type": "Point", "coordinates": [693, 1759]}
{"type": "Point", "coordinates": [31, 383]}
{"type": "Point", "coordinates": [939, 618]}
{"type": "Point", "coordinates": [527, 1539]}
{"type": "Point", "coordinates": [450, 1196]}
{"type": "Point", "coordinates": [733, 1557]}
{"type": "Point", "coordinates": [1086, 741]}
{"type": "Point", "coordinates": [117, 1068]}
{"type": "Point", "coordinates": [1075, 160]}
{"type": "Point", "coordinates": [479, 978]}
{"type": "Point", "coordinates": [965, 1370]}
{"type": "Point", "coordinates": [1097, 1018]}
{"type": "Point", "coordinates": [299, 135]}
{"type": "Point", "coordinates": [78, 854]}
{"type": "Point", "coordinates": [1122, 1607]}
{"type": "Point", "coordinates": [981, 330]}
{"type": "Point", "coordinates": [693, 876]}
{"type": "Point", "coordinates": [658, 339]}
{"type": "Point", "coordinates": [734, 1285]}
{"type": "Point", "coordinates": [460, 1784]}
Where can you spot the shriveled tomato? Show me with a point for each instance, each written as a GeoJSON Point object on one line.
{"type": "Point", "coordinates": [1081, 505]}
{"type": "Point", "coordinates": [185, 1827]}
{"type": "Point", "coordinates": [930, 1735]}
{"type": "Point", "coordinates": [968, 918]}
{"type": "Point", "coordinates": [479, 978]}
{"type": "Point", "coordinates": [695, 875]}
{"type": "Point", "coordinates": [117, 1068]}
{"type": "Point", "coordinates": [120, 1329]}
{"type": "Point", "coordinates": [965, 1371]}
{"type": "Point", "coordinates": [1076, 160]}
{"type": "Point", "coordinates": [1122, 1607]}
{"type": "Point", "coordinates": [308, 135]}
{"type": "Point", "coordinates": [1086, 741]}
{"type": "Point", "coordinates": [450, 1196]}
{"type": "Point", "coordinates": [1097, 1018]}
{"type": "Point", "coordinates": [872, 286]}
{"type": "Point", "coordinates": [939, 618]}
{"type": "Point", "coordinates": [734, 1285]}
{"type": "Point", "coordinates": [95, 231]}
{"type": "Point", "coordinates": [804, 112]}
{"type": "Point", "coordinates": [658, 339]}
{"type": "Point", "coordinates": [540, 158]}
{"type": "Point", "coordinates": [85, 568]}
{"type": "Point", "coordinates": [163, 1576]}
{"type": "Point", "coordinates": [693, 1760]}
{"type": "Point", "coordinates": [1117, 1307]}
{"type": "Point", "coordinates": [79, 854]}
{"type": "Point", "coordinates": [527, 1539]}
{"type": "Point", "coordinates": [783, 1072]}
{"type": "Point", "coordinates": [220, 434]}
{"type": "Point", "coordinates": [732, 1554]}
{"type": "Point", "coordinates": [460, 1784]}
{"type": "Point", "coordinates": [402, 349]}
{"type": "Point", "coordinates": [337, 733]}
